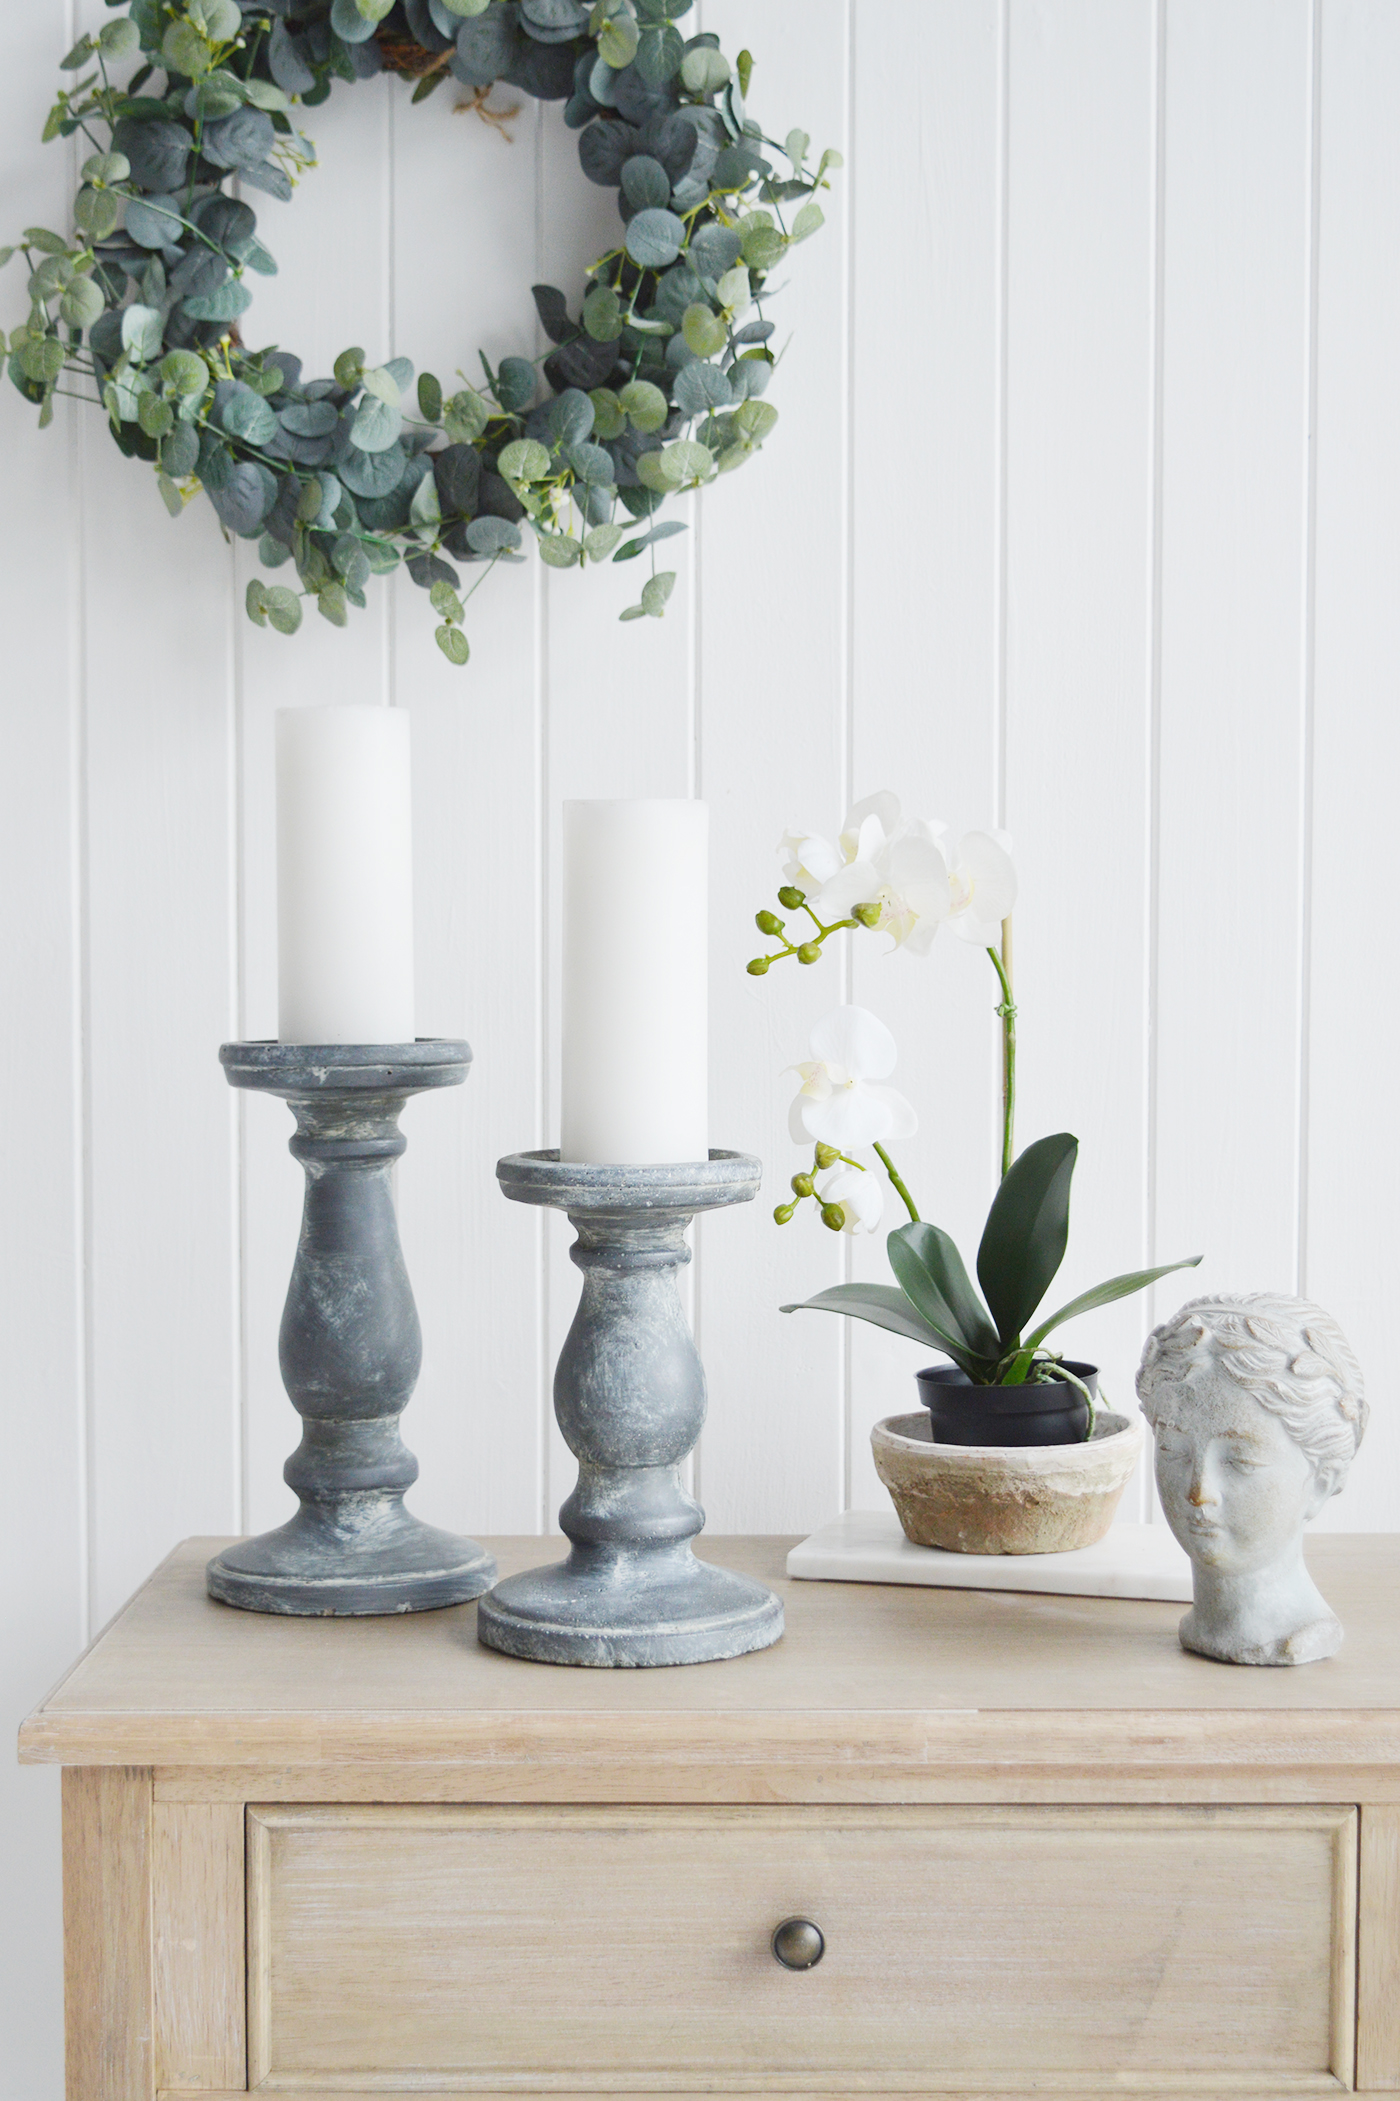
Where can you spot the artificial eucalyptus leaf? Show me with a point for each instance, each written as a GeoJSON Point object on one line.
{"type": "Point", "coordinates": [654, 238]}
{"type": "Point", "coordinates": [660, 53]}
{"type": "Point", "coordinates": [617, 42]}
{"type": "Point", "coordinates": [645, 182]}
{"type": "Point", "coordinates": [609, 416]}
{"type": "Point", "coordinates": [602, 314]}
{"type": "Point", "coordinates": [245, 499]}
{"type": "Point", "coordinates": [703, 331]}
{"type": "Point", "coordinates": [142, 331]}
{"type": "Point", "coordinates": [599, 543]}
{"type": "Point", "coordinates": [487, 46]}
{"type": "Point", "coordinates": [491, 536]}
{"type": "Point", "coordinates": [372, 473]}
{"type": "Point", "coordinates": [82, 303]}
{"type": "Point", "coordinates": [309, 419]}
{"type": "Point", "coordinates": [466, 417]}
{"type": "Point", "coordinates": [283, 609]}
{"type": "Point", "coordinates": [453, 643]}
{"type": "Point", "coordinates": [457, 471]}
{"type": "Point", "coordinates": [655, 592]}
{"type": "Point", "coordinates": [571, 416]}
{"type": "Point", "coordinates": [377, 424]}
{"type": "Point", "coordinates": [1027, 1231]}
{"type": "Point", "coordinates": [645, 405]}
{"type": "Point", "coordinates": [516, 380]}
{"type": "Point", "coordinates": [700, 387]}
{"type": "Point", "coordinates": [604, 148]}
{"type": "Point", "coordinates": [179, 452]}
{"type": "Point", "coordinates": [225, 303]}
{"type": "Point", "coordinates": [525, 460]}
{"type": "Point", "coordinates": [560, 550]}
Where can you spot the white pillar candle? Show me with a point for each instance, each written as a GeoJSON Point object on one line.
{"type": "Point", "coordinates": [344, 876]}
{"type": "Point", "coordinates": [636, 957]}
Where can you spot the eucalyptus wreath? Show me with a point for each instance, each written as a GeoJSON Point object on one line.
{"type": "Point", "coordinates": [653, 387]}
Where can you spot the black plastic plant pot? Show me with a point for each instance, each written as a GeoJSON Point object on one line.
{"type": "Point", "coordinates": [961, 1413]}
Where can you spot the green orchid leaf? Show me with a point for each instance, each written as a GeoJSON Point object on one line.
{"type": "Point", "coordinates": [1104, 1295]}
{"type": "Point", "coordinates": [884, 1307]}
{"type": "Point", "coordinates": [930, 1269]}
{"type": "Point", "coordinates": [1027, 1230]}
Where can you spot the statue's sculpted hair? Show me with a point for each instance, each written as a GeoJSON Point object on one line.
{"type": "Point", "coordinates": [1286, 1352]}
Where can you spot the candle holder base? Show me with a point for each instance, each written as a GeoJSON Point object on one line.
{"type": "Point", "coordinates": [349, 1348]}
{"type": "Point", "coordinates": [629, 1611]}
{"type": "Point", "coordinates": [629, 1393]}
{"type": "Point", "coordinates": [390, 1562]}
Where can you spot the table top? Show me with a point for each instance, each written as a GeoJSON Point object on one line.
{"type": "Point", "coordinates": [864, 1669]}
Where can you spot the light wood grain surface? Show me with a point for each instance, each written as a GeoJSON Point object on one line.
{"type": "Point", "coordinates": [871, 1672]}
{"type": "Point", "coordinates": [198, 1942]}
{"type": "Point", "coordinates": [107, 1982]}
{"type": "Point", "coordinates": [1378, 1983]}
{"type": "Point", "coordinates": [622, 1949]}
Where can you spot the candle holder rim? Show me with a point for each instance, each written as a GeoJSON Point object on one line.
{"type": "Point", "coordinates": [579, 1186]}
{"type": "Point", "coordinates": [281, 1068]}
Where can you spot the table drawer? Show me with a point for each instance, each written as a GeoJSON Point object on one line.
{"type": "Point", "coordinates": [629, 1949]}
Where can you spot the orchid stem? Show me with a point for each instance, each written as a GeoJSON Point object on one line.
{"type": "Point", "coordinates": [1006, 1013]}
{"type": "Point", "coordinates": [893, 1174]}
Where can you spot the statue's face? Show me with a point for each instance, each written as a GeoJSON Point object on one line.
{"type": "Point", "coordinates": [1235, 1487]}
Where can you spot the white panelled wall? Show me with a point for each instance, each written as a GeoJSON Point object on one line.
{"type": "Point", "coordinates": [1081, 517]}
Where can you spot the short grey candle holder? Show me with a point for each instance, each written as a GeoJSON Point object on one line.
{"type": "Point", "coordinates": [629, 1393]}
{"type": "Point", "coordinates": [350, 1347]}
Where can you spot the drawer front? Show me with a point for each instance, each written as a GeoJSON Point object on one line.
{"type": "Point", "coordinates": [457, 1948]}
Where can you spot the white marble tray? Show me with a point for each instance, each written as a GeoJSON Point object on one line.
{"type": "Point", "coordinates": [867, 1546]}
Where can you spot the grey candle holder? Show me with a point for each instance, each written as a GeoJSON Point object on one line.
{"type": "Point", "coordinates": [350, 1347]}
{"type": "Point", "coordinates": [629, 1393]}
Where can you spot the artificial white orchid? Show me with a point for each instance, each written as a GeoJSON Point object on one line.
{"type": "Point", "coordinates": [842, 1101]}
{"type": "Point", "coordinates": [859, 1194]}
{"type": "Point", "coordinates": [982, 880]}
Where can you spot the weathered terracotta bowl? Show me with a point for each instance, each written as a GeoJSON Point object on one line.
{"type": "Point", "coordinates": [1005, 1499]}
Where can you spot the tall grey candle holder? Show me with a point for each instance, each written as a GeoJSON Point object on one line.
{"type": "Point", "coordinates": [629, 1393]}
{"type": "Point", "coordinates": [350, 1347]}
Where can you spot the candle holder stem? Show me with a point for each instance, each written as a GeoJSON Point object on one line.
{"type": "Point", "coordinates": [629, 1394]}
{"type": "Point", "coordinates": [350, 1348]}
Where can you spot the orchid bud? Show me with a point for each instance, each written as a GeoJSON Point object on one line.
{"type": "Point", "coordinates": [758, 968]}
{"type": "Point", "coordinates": [868, 915]}
{"type": "Point", "coordinates": [809, 952]}
{"type": "Point", "coordinates": [790, 899]}
{"type": "Point", "coordinates": [768, 922]}
{"type": "Point", "coordinates": [834, 1216]}
{"type": "Point", "coordinates": [827, 1156]}
{"type": "Point", "coordinates": [783, 1214]}
{"type": "Point", "coordinates": [803, 1185]}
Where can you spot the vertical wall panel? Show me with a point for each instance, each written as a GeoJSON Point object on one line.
{"type": "Point", "coordinates": [1235, 336]}
{"type": "Point", "coordinates": [1351, 1249]}
{"type": "Point", "coordinates": [43, 1563]}
{"type": "Point", "coordinates": [1079, 616]}
{"type": "Point", "coordinates": [774, 731]}
{"type": "Point", "coordinates": [926, 644]}
{"type": "Point", "coordinates": [161, 867]}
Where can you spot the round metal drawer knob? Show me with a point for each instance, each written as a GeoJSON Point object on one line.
{"type": "Point", "coordinates": [798, 1944]}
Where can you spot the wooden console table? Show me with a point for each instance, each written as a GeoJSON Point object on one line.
{"type": "Point", "coordinates": [1044, 1851]}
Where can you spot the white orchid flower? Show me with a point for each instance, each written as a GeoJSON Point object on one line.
{"type": "Point", "coordinates": [860, 1194]}
{"type": "Point", "coordinates": [982, 877]}
{"type": "Point", "coordinates": [841, 1101]}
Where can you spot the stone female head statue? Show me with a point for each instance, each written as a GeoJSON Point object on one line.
{"type": "Point", "coordinates": [1257, 1407]}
